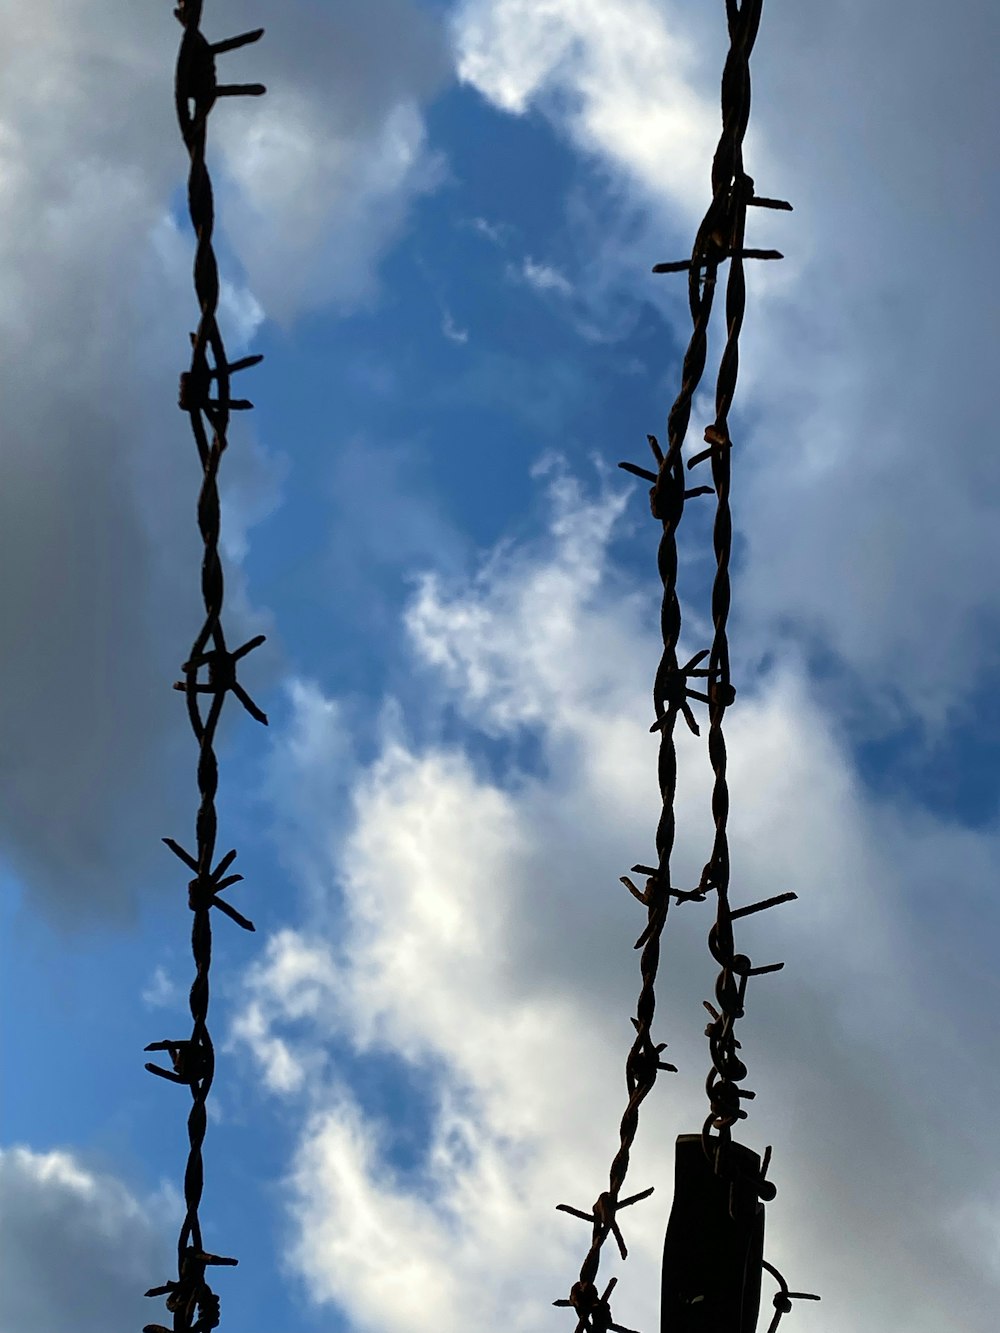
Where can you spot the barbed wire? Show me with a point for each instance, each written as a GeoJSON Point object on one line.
{"type": "Point", "coordinates": [720, 238]}
{"type": "Point", "coordinates": [732, 186]}
{"type": "Point", "coordinates": [190, 1299]}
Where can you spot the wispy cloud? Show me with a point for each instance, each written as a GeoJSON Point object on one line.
{"type": "Point", "coordinates": [499, 233]}
{"type": "Point", "coordinates": [452, 331]}
{"type": "Point", "coordinates": [543, 277]}
{"type": "Point", "coordinates": [161, 990]}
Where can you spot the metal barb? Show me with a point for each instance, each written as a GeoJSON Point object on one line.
{"type": "Point", "coordinates": [206, 398]}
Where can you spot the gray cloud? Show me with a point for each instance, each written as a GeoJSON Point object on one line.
{"type": "Point", "coordinates": [84, 680]}
{"type": "Point", "coordinates": [326, 166]}
{"type": "Point", "coordinates": [98, 596]}
{"type": "Point", "coordinates": [77, 1249]}
{"type": "Point", "coordinates": [874, 461]}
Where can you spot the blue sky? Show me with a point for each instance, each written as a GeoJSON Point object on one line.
{"type": "Point", "coordinates": [439, 227]}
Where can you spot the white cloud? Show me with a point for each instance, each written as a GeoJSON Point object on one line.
{"type": "Point", "coordinates": [318, 740]}
{"type": "Point", "coordinates": [296, 978]}
{"type": "Point", "coordinates": [870, 466]}
{"type": "Point", "coordinates": [498, 233]}
{"type": "Point", "coordinates": [480, 939]}
{"type": "Point", "coordinates": [161, 991]}
{"type": "Point", "coordinates": [475, 1252]}
{"type": "Point", "coordinates": [469, 639]}
{"type": "Point", "coordinates": [618, 76]}
{"type": "Point", "coordinates": [452, 331]}
{"type": "Point", "coordinates": [77, 1248]}
{"type": "Point", "coordinates": [543, 277]}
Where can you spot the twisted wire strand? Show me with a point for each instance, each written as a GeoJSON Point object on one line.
{"type": "Point", "coordinates": [735, 188]}
{"type": "Point", "coordinates": [729, 183]}
{"type": "Point", "coordinates": [643, 1062]}
{"type": "Point", "coordinates": [720, 237]}
{"type": "Point", "coordinates": [190, 1299]}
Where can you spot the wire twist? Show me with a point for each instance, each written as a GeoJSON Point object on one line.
{"type": "Point", "coordinates": [190, 1299]}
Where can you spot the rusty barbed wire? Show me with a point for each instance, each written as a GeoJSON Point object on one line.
{"type": "Point", "coordinates": [735, 189]}
{"type": "Point", "coordinates": [190, 1299]}
{"type": "Point", "coordinates": [720, 238]}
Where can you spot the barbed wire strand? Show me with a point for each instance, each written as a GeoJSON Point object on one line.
{"type": "Point", "coordinates": [190, 1299]}
{"type": "Point", "coordinates": [730, 183]}
{"type": "Point", "coordinates": [720, 238]}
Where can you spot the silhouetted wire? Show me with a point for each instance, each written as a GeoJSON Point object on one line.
{"type": "Point", "coordinates": [719, 239]}
{"type": "Point", "coordinates": [210, 672]}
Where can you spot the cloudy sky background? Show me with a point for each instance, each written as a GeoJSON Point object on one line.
{"type": "Point", "coordinates": [439, 227]}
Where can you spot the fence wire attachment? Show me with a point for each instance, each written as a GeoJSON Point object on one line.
{"type": "Point", "coordinates": [190, 1299]}
{"type": "Point", "coordinates": [189, 1061]}
{"type": "Point", "coordinates": [783, 1298]}
{"type": "Point", "coordinates": [594, 1310]}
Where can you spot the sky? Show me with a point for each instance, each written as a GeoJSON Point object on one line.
{"type": "Point", "coordinates": [439, 227]}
